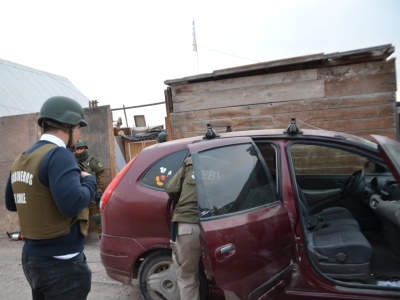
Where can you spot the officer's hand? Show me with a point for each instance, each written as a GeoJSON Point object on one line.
{"type": "Point", "coordinates": [84, 174]}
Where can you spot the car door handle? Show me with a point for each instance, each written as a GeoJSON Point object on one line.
{"type": "Point", "coordinates": [224, 252]}
{"type": "Point", "coordinates": [226, 249]}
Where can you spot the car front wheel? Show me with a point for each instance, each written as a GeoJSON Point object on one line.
{"type": "Point", "coordinates": [157, 278]}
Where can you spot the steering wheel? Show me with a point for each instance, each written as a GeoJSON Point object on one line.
{"type": "Point", "coordinates": [353, 185]}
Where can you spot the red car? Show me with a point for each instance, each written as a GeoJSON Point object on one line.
{"type": "Point", "coordinates": [284, 214]}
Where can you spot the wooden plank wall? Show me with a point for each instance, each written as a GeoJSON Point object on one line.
{"type": "Point", "coordinates": [17, 133]}
{"type": "Point", "coordinates": [99, 135]}
{"type": "Point", "coordinates": [357, 98]}
{"type": "Point", "coordinates": [133, 148]}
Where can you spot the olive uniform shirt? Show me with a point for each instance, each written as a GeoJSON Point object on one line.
{"type": "Point", "coordinates": [182, 186]}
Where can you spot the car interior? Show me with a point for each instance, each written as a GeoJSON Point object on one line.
{"type": "Point", "coordinates": [350, 208]}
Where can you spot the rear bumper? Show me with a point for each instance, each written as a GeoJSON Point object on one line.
{"type": "Point", "coordinates": [118, 255]}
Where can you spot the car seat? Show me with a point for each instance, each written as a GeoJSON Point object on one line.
{"type": "Point", "coordinates": [335, 242]}
{"type": "Point", "coordinates": [328, 216]}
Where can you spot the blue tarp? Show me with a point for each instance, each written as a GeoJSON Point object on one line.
{"type": "Point", "coordinates": [119, 157]}
{"type": "Point", "coordinates": [142, 136]}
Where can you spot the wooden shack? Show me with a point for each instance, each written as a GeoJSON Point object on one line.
{"type": "Point", "coordinates": [132, 140]}
{"type": "Point", "coordinates": [352, 92]}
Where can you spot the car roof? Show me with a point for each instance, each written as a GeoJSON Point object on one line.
{"type": "Point", "coordinates": [275, 133]}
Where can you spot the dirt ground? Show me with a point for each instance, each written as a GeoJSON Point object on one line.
{"type": "Point", "coordinates": [13, 285]}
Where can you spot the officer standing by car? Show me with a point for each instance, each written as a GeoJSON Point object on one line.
{"type": "Point", "coordinates": [51, 195]}
{"type": "Point", "coordinates": [185, 241]}
{"type": "Point", "coordinates": [185, 232]}
{"type": "Point", "coordinates": [93, 166]}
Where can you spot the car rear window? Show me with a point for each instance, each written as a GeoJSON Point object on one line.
{"type": "Point", "coordinates": [161, 171]}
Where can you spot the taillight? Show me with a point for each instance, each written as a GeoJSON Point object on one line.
{"type": "Point", "coordinates": [111, 187]}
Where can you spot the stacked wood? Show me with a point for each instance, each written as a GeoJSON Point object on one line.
{"type": "Point", "coordinates": [352, 92]}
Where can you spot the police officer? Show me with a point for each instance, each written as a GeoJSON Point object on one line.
{"type": "Point", "coordinates": [185, 241]}
{"type": "Point", "coordinates": [93, 166]}
{"type": "Point", "coordinates": [185, 233]}
{"type": "Point", "coordinates": [51, 195]}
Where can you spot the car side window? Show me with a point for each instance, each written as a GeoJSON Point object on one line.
{"type": "Point", "coordinates": [322, 160]}
{"type": "Point", "coordinates": [158, 175]}
{"type": "Point", "coordinates": [233, 179]}
{"type": "Point", "coordinates": [319, 167]}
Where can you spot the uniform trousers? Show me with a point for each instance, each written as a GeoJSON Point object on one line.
{"type": "Point", "coordinates": [186, 253]}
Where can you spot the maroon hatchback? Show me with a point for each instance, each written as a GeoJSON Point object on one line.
{"type": "Point", "coordinates": [284, 214]}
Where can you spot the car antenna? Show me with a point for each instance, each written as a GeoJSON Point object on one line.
{"type": "Point", "coordinates": [293, 129]}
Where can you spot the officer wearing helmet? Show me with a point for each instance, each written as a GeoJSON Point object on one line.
{"type": "Point", "coordinates": [51, 195]}
{"type": "Point", "coordinates": [93, 166]}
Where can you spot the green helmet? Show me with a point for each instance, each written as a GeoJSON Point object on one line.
{"type": "Point", "coordinates": [63, 110]}
{"type": "Point", "coordinates": [162, 137]}
{"type": "Point", "coordinates": [81, 143]}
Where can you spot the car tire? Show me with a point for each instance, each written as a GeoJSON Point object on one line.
{"type": "Point", "coordinates": [157, 278]}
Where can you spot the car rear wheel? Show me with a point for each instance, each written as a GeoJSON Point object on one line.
{"type": "Point", "coordinates": [157, 278]}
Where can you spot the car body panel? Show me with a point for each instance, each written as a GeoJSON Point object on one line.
{"type": "Point", "coordinates": [122, 245]}
{"type": "Point", "coordinates": [257, 241]}
{"type": "Point", "coordinates": [258, 249]}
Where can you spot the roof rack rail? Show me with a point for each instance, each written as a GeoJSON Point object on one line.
{"type": "Point", "coordinates": [228, 126]}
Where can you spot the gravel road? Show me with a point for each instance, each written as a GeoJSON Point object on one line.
{"type": "Point", "coordinates": [13, 285]}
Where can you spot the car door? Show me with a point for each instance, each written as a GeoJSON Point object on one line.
{"type": "Point", "coordinates": [390, 151]}
{"type": "Point", "coordinates": [246, 237]}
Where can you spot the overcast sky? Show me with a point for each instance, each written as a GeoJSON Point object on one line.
{"type": "Point", "coordinates": [120, 52]}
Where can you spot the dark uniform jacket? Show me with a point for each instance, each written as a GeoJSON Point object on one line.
{"type": "Point", "coordinates": [93, 166]}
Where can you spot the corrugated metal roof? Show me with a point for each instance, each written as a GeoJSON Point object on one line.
{"type": "Point", "coordinates": [23, 90]}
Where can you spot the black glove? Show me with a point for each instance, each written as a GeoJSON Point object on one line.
{"type": "Point", "coordinates": [98, 197]}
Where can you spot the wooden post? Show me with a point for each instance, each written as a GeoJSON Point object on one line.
{"type": "Point", "coordinates": [126, 120]}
